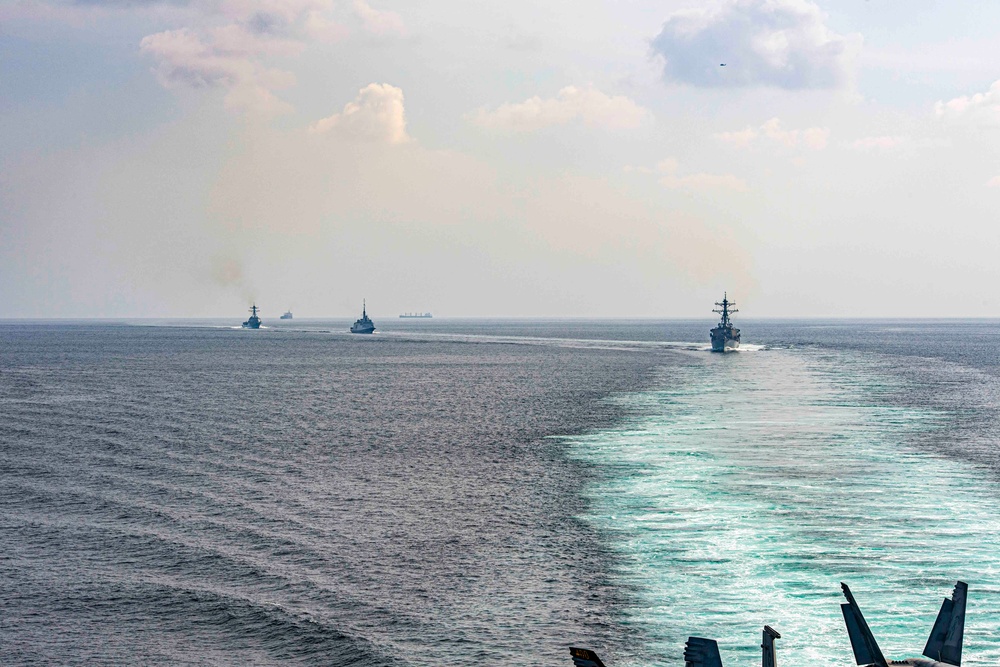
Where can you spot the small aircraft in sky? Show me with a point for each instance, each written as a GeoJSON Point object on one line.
{"type": "Point", "coordinates": [944, 646]}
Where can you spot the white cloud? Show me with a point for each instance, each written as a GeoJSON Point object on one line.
{"type": "Point", "coordinates": [880, 143]}
{"type": "Point", "coordinates": [669, 169]}
{"type": "Point", "coordinates": [379, 22]}
{"type": "Point", "coordinates": [815, 138]}
{"type": "Point", "coordinates": [982, 106]}
{"type": "Point", "coordinates": [739, 138]}
{"type": "Point", "coordinates": [183, 59]}
{"type": "Point", "coordinates": [782, 43]}
{"type": "Point", "coordinates": [232, 55]}
{"type": "Point", "coordinates": [587, 105]}
{"type": "Point", "coordinates": [377, 115]}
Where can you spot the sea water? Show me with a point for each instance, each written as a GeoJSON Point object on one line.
{"type": "Point", "coordinates": [753, 483]}
{"type": "Point", "coordinates": [451, 492]}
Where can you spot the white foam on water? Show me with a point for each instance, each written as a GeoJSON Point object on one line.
{"type": "Point", "coordinates": [756, 483]}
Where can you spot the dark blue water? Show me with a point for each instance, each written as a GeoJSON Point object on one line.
{"type": "Point", "coordinates": [459, 492]}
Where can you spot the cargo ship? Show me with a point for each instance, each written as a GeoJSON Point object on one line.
{"type": "Point", "coordinates": [415, 315]}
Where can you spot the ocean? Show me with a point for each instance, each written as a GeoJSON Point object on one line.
{"type": "Point", "coordinates": [459, 492]}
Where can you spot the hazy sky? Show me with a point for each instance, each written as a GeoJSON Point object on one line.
{"type": "Point", "coordinates": [564, 158]}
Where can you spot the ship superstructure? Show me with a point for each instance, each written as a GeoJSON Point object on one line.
{"type": "Point", "coordinates": [363, 325]}
{"type": "Point", "coordinates": [725, 336]}
{"type": "Point", "coordinates": [253, 322]}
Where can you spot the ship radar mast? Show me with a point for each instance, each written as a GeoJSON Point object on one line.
{"type": "Point", "coordinates": [253, 310]}
{"type": "Point", "coordinates": [725, 309]}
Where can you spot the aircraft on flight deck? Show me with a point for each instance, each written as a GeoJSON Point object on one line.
{"type": "Point", "coordinates": [943, 648]}
{"type": "Point", "coordinates": [698, 652]}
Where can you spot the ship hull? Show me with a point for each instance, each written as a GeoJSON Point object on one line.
{"type": "Point", "coordinates": [725, 340]}
{"type": "Point", "coordinates": [725, 346]}
{"type": "Point", "coordinates": [362, 330]}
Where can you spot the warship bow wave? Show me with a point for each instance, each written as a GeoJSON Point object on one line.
{"type": "Point", "coordinates": [725, 336]}
{"type": "Point", "coordinates": [363, 325]}
{"type": "Point", "coordinates": [253, 322]}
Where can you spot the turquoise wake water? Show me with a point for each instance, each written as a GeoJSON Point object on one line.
{"type": "Point", "coordinates": [756, 482]}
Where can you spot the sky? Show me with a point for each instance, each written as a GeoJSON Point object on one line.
{"type": "Point", "coordinates": [636, 158]}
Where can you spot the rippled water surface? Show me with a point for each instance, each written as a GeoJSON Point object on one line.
{"type": "Point", "coordinates": [756, 483]}
{"type": "Point", "coordinates": [461, 492]}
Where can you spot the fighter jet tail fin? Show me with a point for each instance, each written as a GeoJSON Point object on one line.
{"type": "Point", "coordinates": [866, 650]}
{"type": "Point", "coordinates": [945, 642]}
{"type": "Point", "coordinates": [768, 658]}
{"type": "Point", "coordinates": [584, 657]}
{"type": "Point", "coordinates": [701, 652]}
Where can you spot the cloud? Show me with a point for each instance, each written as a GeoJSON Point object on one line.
{"type": "Point", "coordinates": [780, 43]}
{"type": "Point", "coordinates": [815, 138]}
{"type": "Point", "coordinates": [981, 106]}
{"type": "Point", "coordinates": [379, 22]}
{"type": "Point", "coordinates": [739, 138]}
{"type": "Point", "coordinates": [183, 59]}
{"type": "Point", "coordinates": [881, 143]}
{"type": "Point", "coordinates": [669, 169]}
{"type": "Point", "coordinates": [425, 214]}
{"type": "Point", "coordinates": [232, 55]}
{"type": "Point", "coordinates": [587, 105]}
{"type": "Point", "coordinates": [377, 114]}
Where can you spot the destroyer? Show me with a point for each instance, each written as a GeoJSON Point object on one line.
{"type": "Point", "coordinates": [253, 322]}
{"type": "Point", "coordinates": [286, 316]}
{"type": "Point", "coordinates": [725, 337]}
{"type": "Point", "coordinates": [364, 325]}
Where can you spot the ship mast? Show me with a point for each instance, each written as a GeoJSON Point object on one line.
{"type": "Point", "coordinates": [726, 310]}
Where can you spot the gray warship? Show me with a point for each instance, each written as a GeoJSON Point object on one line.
{"type": "Point", "coordinates": [363, 325]}
{"type": "Point", "coordinates": [253, 322]}
{"type": "Point", "coordinates": [287, 315]}
{"type": "Point", "coordinates": [725, 336]}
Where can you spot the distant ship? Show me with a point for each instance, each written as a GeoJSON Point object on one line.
{"type": "Point", "coordinates": [411, 315]}
{"type": "Point", "coordinates": [254, 321]}
{"type": "Point", "coordinates": [364, 325]}
{"type": "Point", "coordinates": [725, 336]}
{"type": "Point", "coordinates": [286, 316]}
